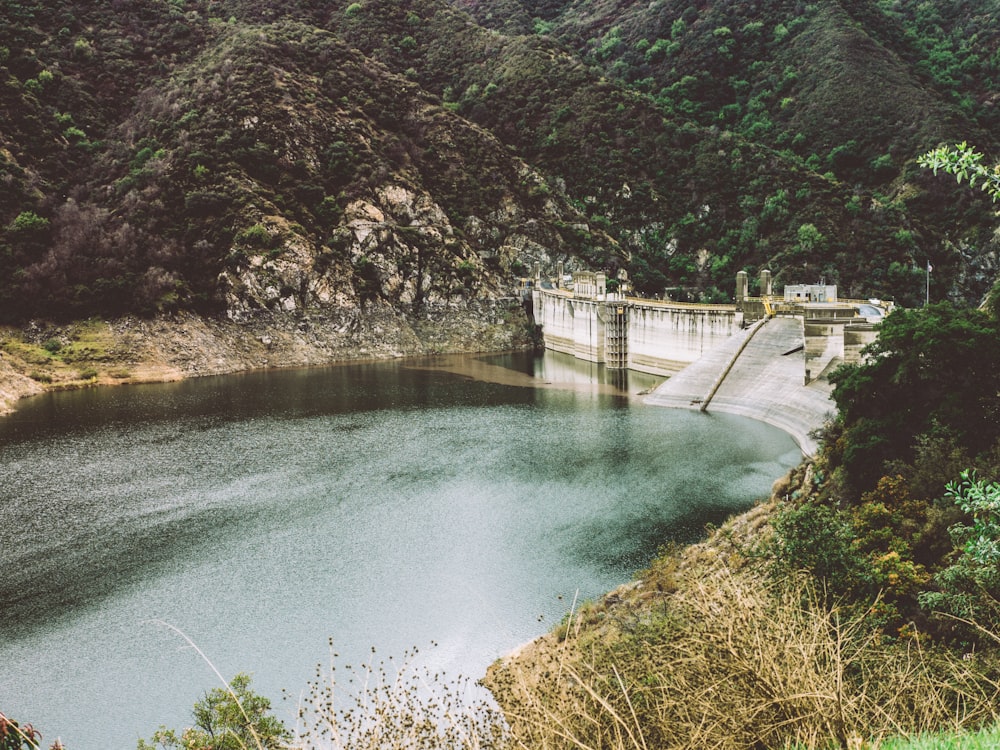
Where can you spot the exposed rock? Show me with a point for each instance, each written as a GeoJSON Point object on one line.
{"type": "Point", "coordinates": [14, 385]}
{"type": "Point", "coordinates": [186, 345]}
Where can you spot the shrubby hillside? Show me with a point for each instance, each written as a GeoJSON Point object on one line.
{"type": "Point", "coordinates": [222, 155]}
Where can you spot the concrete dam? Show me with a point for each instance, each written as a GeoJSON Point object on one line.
{"type": "Point", "coordinates": [763, 357]}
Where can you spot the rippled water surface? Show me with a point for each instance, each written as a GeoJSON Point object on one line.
{"type": "Point", "coordinates": [384, 505]}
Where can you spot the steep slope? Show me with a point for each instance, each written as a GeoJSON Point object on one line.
{"type": "Point", "coordinates": [243, 156]}
{"type": "Point", "coordinates": [691, 203]}
{"type": "Point", "coordinates": [278, 169]}
{"type": "Point", "coordinates": [853, 90]}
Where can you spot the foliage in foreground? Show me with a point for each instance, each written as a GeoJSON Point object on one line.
{"type": "Point", "coordinates": [897, 517]}
{"type": "Point", "coordinates": [391, 706]}
{"type": "Point", "coordinates": [965, 163]}
{"type": "Point", "coordinates": [733, 660]}
{"type": "Point", "coordinates": [230, 718]}
{"type": "Point", "coordinates": [15, 736]}
{"type": "Point", "coordinates": [933, 371]}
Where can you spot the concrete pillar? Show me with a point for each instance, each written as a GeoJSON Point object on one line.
{"type": "Point", "coordinates": [601, 283]}
{"type": "Point", "coordinates": [765, 282]}
{"type": "Point", "coordinates": [559, 275]}
{"type": "Point", "coordinates": [741, 286]}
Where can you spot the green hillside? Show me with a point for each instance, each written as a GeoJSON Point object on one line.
{"type": "Point", "coordinates": [193, 154]}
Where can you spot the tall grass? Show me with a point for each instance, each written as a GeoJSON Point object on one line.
{"type": "Point", "coordinates": [738, 661]}
{"type": "Point", "coordinates": [390, 705]}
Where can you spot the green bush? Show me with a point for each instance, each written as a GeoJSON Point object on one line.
{"type": "Point", "coordinates": [820, 541]}
{"type": "Point", "coordinates": [28, 222]}
{"type": "Point", "coordinates": [969, 588]}
{"type": "Point", "coordinates": [257, 236]}
{"type": "Point", "coordinates": [231, 718]}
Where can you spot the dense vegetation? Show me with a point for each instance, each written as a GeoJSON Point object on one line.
{"type": "Point", "coordinates": [165, 155]}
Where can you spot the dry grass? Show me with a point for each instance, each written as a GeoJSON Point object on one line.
{"type": "Point", "coordinates": [708, 651]}
{"type": "Point", "coordinates": [737, 661]}
{"type": "Point", "coordinates": [396, 706]}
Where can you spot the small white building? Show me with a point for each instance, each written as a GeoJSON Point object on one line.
{"type": "Point", "coordinates": [811, 293]}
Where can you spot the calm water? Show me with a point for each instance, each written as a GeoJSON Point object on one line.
{"type": "Point", "coordinates": [378, 505]}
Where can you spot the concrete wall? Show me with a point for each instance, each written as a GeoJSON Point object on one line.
{"type": "Point", "coordinates": [824, 346]}
{"type": "Point", "coordinates": [825, 337]}
{"type": "Point", "coordinates": [663, 338]}
{"type": "Point", "coordinates": [856, 337]}
{"type": "Point", "coordinates": [570, 325]}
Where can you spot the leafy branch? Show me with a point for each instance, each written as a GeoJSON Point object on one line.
{"type": "Point", "coordinates": [965, 163]}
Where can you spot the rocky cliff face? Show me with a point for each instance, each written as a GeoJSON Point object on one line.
{"type": "Point", "coordinates": [267, 167]}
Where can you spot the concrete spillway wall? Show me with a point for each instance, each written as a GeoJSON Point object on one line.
{"type": "Point", "coordinates": [661, 338]}
{"type": "Point", "coordinates": [664, 339]}
{"type": "Point", "coordinates": [569, 325]}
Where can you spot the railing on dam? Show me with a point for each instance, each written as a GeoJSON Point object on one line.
{"type": "Point", "coordinates": [638, 301]}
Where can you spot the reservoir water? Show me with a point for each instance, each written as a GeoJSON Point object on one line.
{"type": "Point", "coordinates": [387, 505]}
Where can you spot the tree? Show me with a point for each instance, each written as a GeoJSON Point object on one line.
{"type": "Point", "coordinates": [231, 718]}
{"type": "Point", "coordinates": [966, 163]}
{"type": "Point", "coordinates": [934, 369]}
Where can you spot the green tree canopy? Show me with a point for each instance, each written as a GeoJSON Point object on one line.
{"type": "Point", "coordinates": [231, 718]}
{"type": "Point", "coordinates": [965, 163]}
{"type": "Point", "coordinates": [931, 369]}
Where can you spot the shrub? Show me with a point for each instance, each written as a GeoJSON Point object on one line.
{"type": "Point", "coordinates": [969, 588]}
{"type": "Point", "coordinates": [257, 236]}
{"type": "Point", "coordinates": [816, 539]}
{"type": "Point", "coordinates": [231, 718]}
{"type": "Point", "coordinates": [28, 222]}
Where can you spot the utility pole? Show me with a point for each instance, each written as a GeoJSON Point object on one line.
{"type": "Point", "coordinates": [927, 290]}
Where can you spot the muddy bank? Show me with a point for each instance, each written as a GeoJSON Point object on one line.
{"type": "Point", "coordinates": [43, 356]}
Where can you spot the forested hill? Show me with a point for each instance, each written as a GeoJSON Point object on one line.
{"type": "Point", "coordinates": [228, 155]}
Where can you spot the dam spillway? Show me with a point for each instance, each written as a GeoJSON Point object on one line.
{"type": "Point", "coordinates": [763, 359]}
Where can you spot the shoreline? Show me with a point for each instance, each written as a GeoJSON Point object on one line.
{"type": "Point", "coordinates": [42, 357]}
{"type": "Point", "coordinates": [133, 351]}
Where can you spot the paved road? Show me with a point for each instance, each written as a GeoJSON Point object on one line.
{"type": "Point", "coordinates": [766, 382]}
